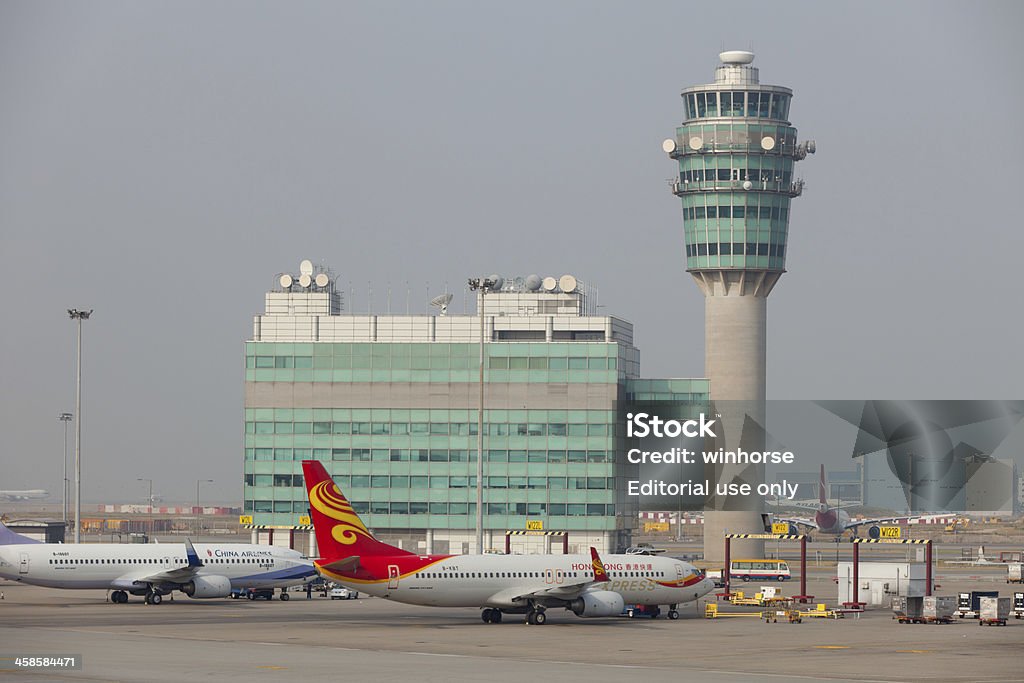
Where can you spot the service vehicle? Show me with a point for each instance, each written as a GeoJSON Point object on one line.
{"type": "Point", "coordinates": [759, 570]}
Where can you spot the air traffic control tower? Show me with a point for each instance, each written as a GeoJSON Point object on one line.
{"type": "Point", "coordinates": [736, 151]}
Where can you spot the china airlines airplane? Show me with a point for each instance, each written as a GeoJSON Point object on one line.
{"type": "Point", "coordinates": [499, 584]}
{"type": "Point", "coordinates": [151, 570]}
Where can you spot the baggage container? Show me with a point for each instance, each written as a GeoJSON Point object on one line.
{"type": "Point", "coordinates": [993, 611]}
{"type": "Point", "coordinates": [908, 610]}
{"type": "Point", "coordinates": [1014, 572]}
{"type": "Point", "coordinates": [968, 604]}
{"type": "Point", "coordinates": [939, 608]}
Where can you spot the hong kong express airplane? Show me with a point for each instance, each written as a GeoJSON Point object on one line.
{"type": "Point", "coordinates": [152, 570]}
{"type": "Point", "coordinates": [499, 584]}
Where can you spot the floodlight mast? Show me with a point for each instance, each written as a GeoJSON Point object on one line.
{"type": "Point", "coordinates": [78, 315]}
{"type": "Point", "coordinates": [484, 285]}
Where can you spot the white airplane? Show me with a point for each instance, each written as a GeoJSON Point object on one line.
{"type": "Point", "coordinates": [829, 519]}
{"type": "Point", "coordinates": [499, 584]}
{"type": "Point", "coordinates": [209, 570]}
{"type": "Point", "coordinates": [33, 494]}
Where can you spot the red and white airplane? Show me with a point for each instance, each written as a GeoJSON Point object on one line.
{"type": "Point", "coordinates": [498, 584]}
{"type": "Point", "coordinates": [834, 520]}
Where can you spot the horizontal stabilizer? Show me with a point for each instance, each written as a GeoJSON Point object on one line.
{"type": "Point", "coordinates": [347, 564]}
{"type": "Point", "coordinates": [8, 537]}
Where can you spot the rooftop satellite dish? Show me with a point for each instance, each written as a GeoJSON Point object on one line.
{"type": "Point", "coordinates": [696, 143]}
{"type": "Point", "coordinates": [549, 284]}
{"type": "Point", "coordinates": [747, 185]}
{"type": "Point", "coordinates": [736, 57]}
{"type": "Point", "coordinates": [767, 143]}
{"type": "Point", "coordinates": [321, 279]}
{"type": "Point", "coordinates": [441, 301]}
{"type": "Point", "coordinates": [305, 280]}
{"type": "Point", "coordinates": [533, 282]}
{"type": "Point", "coordinates": [306, 268]}
{"type": "Point", "coordinates": [669, 146]}
{"type": "Point", "coordinates": [567, 283]}
{"type": "Point", "coordinates": [498, 281]}
{"type": "Point", "coordinates": [285, 280]}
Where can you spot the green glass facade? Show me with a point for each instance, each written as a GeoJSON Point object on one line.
{"type": "Point", "coordinates": [415, 468]}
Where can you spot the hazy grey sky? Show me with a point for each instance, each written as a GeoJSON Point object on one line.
{"type": "Point", "coordinates": [160, 162]}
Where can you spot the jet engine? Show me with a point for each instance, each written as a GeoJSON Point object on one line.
{"type": "Point", "coordinates": [597, 604]}
{"type": "Point", "coordinates": [205, 587]}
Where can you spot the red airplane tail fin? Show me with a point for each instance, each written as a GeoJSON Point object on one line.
{"type": "Point", "coordinates": [599, 572]}
{"type": "Point", "coordinates": [339, 531]}
{"type": "Point", "coordinates": [821, 487]}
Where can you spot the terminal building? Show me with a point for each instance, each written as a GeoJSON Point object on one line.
{"type": "Point", "coordinates": [390, 404]}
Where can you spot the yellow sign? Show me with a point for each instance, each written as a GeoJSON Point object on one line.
{"type": "Point", "coordinates": [888, 532]}
{"type": "Point", "coordinates": [655, 526]}
{"type": "Point", "coordinates": [535, 525]}
{"type": "Point", "coordinates": [780, 527]}
{"type": "Point", "coordinates": [304, 520]}
{"type": "Point", "coordinates": [245, 519]}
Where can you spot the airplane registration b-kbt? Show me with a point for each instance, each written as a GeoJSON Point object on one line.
{"type": "Point", "coordinates": [206, 570]}
{"type": "Point", "coordinates": [498, 584]}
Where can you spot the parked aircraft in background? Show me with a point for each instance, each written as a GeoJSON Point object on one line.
{"type": "Point", "coordinates": [829, 519]}
{"type": "Point", "coordinates": [587, 585]}
{"type": "Point", "coordinates": [208, 570]}
{"type": "Point", "coordinates": [32, 494]}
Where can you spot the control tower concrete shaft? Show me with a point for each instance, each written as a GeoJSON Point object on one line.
{"type": "Point", "coordinates": [736, 151]}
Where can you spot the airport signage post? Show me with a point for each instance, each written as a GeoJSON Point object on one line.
{"type": "Point", "coordinates": [803, 597]}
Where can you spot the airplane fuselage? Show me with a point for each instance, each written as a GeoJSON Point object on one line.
{"type": "Point", "coordinates": [497, 580]}
{"type": "Point", "coordinates": [111, 566]}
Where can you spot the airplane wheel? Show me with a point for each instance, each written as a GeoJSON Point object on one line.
{"type": "Point", "coordinates": [486, 615]}
{"type": "Point", "coordinates": [155, 599]}
{"type": "Point", "coordinates": [673, 614]}
{"type": "Point", "coordinates": [540, 618]}
{"type": "Point", "coordinates": [496, 616]}
{"type": "Point", "coordinates": [122, 597]}
{"type": "Point", "coordinates": [285, 596]}
{"type": "Point", "coordinates": [252, 596]}
{"type": "Point", "coordinates": [530, 617]}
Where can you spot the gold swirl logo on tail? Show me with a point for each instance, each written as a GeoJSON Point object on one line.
{"type": "Point", "coordinates": [598, 566]}
{"type": "Point", "coordinates": [327, 499]}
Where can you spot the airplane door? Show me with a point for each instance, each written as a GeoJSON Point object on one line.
{"type": "Point", "coordinates": [393, 575]}
{"type": "Point", "coordinates": [679, 572]}
{"type": "Point", "coordinates": [23, 564]}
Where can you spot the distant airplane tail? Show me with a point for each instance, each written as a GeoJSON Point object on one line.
{"type": "Point", "coordinates": [339, 531]}
{"type": "Point", "coordinates": [8, 537]}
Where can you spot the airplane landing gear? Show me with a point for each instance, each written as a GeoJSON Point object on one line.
{"type": "Point", "coordinates": [119, 597]}
{"type": "Point", "coordinates": [673, 613]}
{"type": "Point", "coordinates": [491, 616]}
{"type": "Point", "coordinates": [537, 617]}
{"type": "Point", "coordinates": [153, 598]}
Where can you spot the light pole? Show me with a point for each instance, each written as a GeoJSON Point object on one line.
{"type": "Point", "coordinates": [78, 315]}
{"type": "Point", "coordinates": [65, 418]}
{"type": "Point", "coordinates": [484, 285]}
{"type": "Point", "coordinates": [150, 504]}
{"type": "Point", "coordinates": [199, 510]}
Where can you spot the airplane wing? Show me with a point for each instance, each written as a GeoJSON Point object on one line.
{"type": "Point", "coordinates": [176, 575]}
{"type": "Point", "coordinates": [854, 523]}
{"type": "Point", "coordinates": [566, 591]}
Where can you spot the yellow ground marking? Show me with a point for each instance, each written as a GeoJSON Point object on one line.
{"type": "Point", "coordinates": [832, 647]}
{"type": "Point", "coordinates": [272, 667]}
{"type": "Point", "coordinates": [916, 652]}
